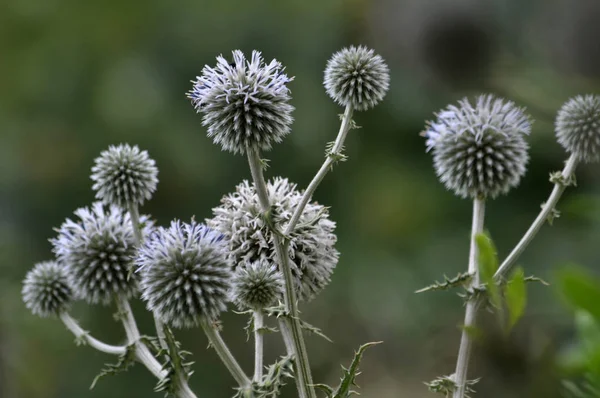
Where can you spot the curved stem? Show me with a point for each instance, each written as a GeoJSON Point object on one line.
{"type": "Point", "coordinates": [303, 376]}
{"type": "Point", "coordinates": [225, 354]}
{"type": "Point", "coordinates": [466, 342]}
{"type": "Point", "coordinates": [327, 165]}
{"type": "Point", "coordinates": [79, 333]}
{"type": "Point", "coordinates": [559, 187]}
{"type": "Point", "coordinates": [259, 323]}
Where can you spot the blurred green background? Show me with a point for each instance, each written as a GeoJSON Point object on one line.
{"type": "Point", "coordinates": [76, 77]}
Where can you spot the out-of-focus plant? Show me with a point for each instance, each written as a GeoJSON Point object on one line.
{"type": "Point", "coordinates": [479, 152]}
{"type": "Point", "coordinates": [267, 247]}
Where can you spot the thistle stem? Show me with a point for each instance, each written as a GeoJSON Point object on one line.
{"type": "Point", "coordinates": [466, 342]}
{"type": "Point", "coordinates": [79, 333]}
{"type": "Point", "coordinates": [337, 148]}
{"type": "Point", "coordinates": [559, 187]}
{"type": "Point", "coordinates": [225, 354]}
{"type": "Point", "coordinates": [304, 381]}
{"type": "Point", "coordinates": [259, 323]}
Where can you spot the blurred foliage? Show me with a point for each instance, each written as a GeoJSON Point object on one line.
{"type": "Point", "coordinates": [78, 76]}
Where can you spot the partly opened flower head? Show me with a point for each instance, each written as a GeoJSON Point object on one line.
{"type": "Point", "coordinates": [313, 256]}
{"type": "Point", "coordinates": [480, 151]}
{"type": "Point", "coordinates": [46, 289]}
{"type": "Point", "coordinates": [98, 252]}
{"type": "Point", "coordinates": [357, 76]}
{"type": "Point", "coordinates": [185, 273]}
{"type": "Point", "coordinates": [578, 127]}
{"type": "Point", "coordinates": [257, 285]}
{"type": "Point", "coordinates": [124, 175]}
{"type": "Point", "coordinates": [245, 102]}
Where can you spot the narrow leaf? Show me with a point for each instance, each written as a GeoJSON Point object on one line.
{"type": "Point", "coordinates": [488, 265]}
{"type": "Point", "coordinates": [516, 297]}
{"type": "Point", "coordinates": [348, 380]}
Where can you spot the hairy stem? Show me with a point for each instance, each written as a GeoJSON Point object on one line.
{"type": "Point", "coordinates": [303, 375]}
{"type": "Point", "coordinates": [259, 323]}
{"type": "Point", "coordinates": [79, 333]}
{"type": "Point", "coordinates": [559, 187]}
{"type": "Point", "coordinates": [216, 341]}
{"type": "Point", "coordinates": [466, 342]}
{"type": "Point", "coordinates": [327, 165]}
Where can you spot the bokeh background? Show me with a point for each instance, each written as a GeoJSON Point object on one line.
{"type": "Point", "coordinates": [76, 77]}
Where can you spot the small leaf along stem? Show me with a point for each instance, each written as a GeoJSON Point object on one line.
{"type": "Point", "coordinates": [466, 342]}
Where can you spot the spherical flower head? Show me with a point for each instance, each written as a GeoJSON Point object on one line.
{"type": "Point", "coordinates": [98, 252]}
{"type": "Point", "coordinates": [357, 76]}
{"type": "Point", "coordinates": [312, 254]}
{"type": "Point", "coordinates": [256, 285]}
{"type": "Point", "coordinates": [480, 151]}
{"type": "Point", "coordinates": [124, 175]}
{"type": "Point", "coordinates": [244, 102]}
{"type": "Point", "coordinates": [185, 273]}
{"type": "Point", "coordinates": [46, 289]}
{"type": "Point", "coordinates": [578, 127]}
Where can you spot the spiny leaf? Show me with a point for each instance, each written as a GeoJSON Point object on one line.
{"type": "Point", "coordinates": [328, 390]}
{"type": "Point", "coordinates": [273, 381]}
{"type": "Point", "coordinates": [349, 378]}
{"type": "Point", "coordinates": [313, 329]}
{"type": "Point", "coordinates": [124, 362]}
{"type": "Point", "coordinates": [460, 280]}
{"type": "Point", "coordinates": [488, 265]}
{"type": "Point", "coordinates": [175, 365]}
{"type": "Point", "coordinates": [516, 297]}
{"type": "Point", "coordinates": [446, 386]}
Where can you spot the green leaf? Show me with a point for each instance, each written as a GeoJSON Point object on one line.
{"type": "Point", "coordinates": [349, 379]}
{"type": "Point", "coordinates": [516, 297]}
{"type": "Point", "coordinates": [581, 290]}
{"type": "Point", "coordinates": [124, 362]}
{"type": "Point", "coordinates": [488, 265]}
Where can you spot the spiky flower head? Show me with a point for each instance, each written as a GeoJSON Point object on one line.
{"type": "Point", "coordinates": [97, 251]}
{"type": "Point", "coordinates": [185, 273]}
{"type": "Point", "coordinates": [312, 254]}
{"type": "Point", "coordinates": [46, 289]}
{"type": "Point", "coordinates": [256, 285]}
{"type": "Point", "coordinates": [479, 151]}
{"type": "Point", "coordinates": [578, 127]}
{"type": "Point", "coordinates": [245, 102]}
{"type": "Point", "coordinates": [357, 76]}
{"type": "Point", "coordinates": [124, 175]}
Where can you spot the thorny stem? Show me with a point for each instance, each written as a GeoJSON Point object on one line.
{"type": "Point", "coordinates": [79, 333]}
{"type": "Point", "coordinates": [466, 342]}
{"type": "Point", "coordinates": [304, 381]}
{"type": "Point", "coordinates": [259, 323]}
{"type": "Point", "coordinates": [337, 148]}
{"type": "Point", "coordinates": [559, 188]}
{"type": "Point", "coordinates": [216, 341]}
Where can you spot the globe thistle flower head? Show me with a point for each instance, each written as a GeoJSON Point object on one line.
{"type": "Point", "coordinates": [185, 273]}
{"type": "Point", "coordinates": [46, 289]}
{"type": "Point", "coordinates": [312, 254]}
{"type": "Point", "coordinates": [357, 76]}
{"type": "Point", "coordinates": [578, 127]}
{"type": "Point", "coordinates": [256, 285]}
{"type": "Point", "coordinates": [124, 175]}
{"type": "Point", "coordinates": [479, 151]}
{"type": "Point", "coordinates": [97, 251]}
{"type": "Point", "coordinates": [245, 103]}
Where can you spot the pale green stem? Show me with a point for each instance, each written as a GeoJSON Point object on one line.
{"type": "Point", "coordinates": [325, 168]}
{"type": "Point", "coordinates": [259, 323]}
{"type": "Point", "coordinates": [303, 376]}
{"type": "Point", "coordinates": [137, 234]}
{"type": "Point", "coordinates": [79, 333]}
{"type": "Point", "coordinates": [466, 342]}
{"type": "Point", "coordinates": [557, 191]}
{"type": "Point", "coordinates": [214, 337]}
